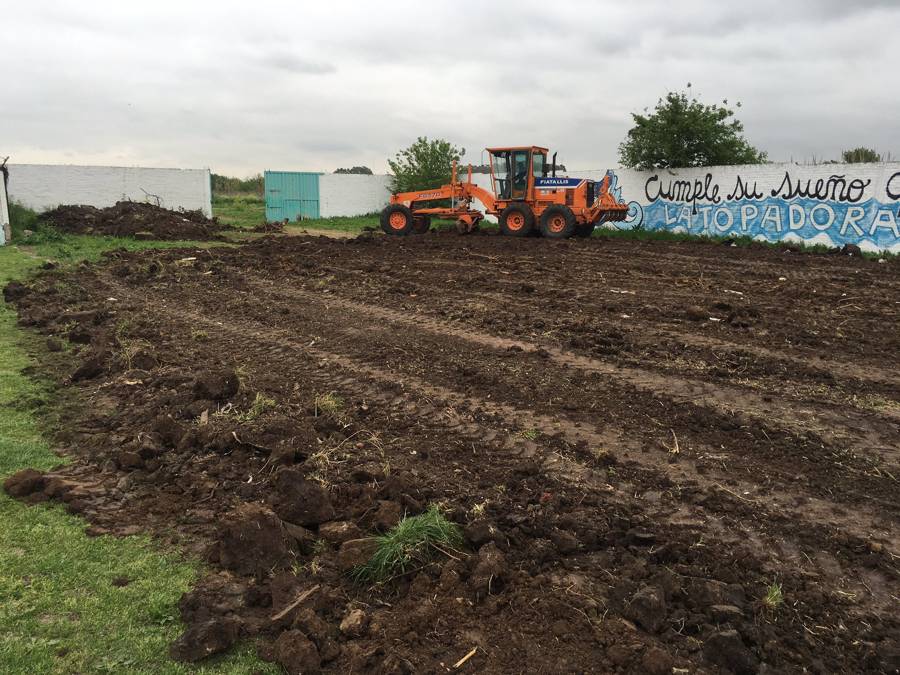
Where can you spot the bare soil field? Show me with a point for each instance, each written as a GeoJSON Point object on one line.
{"type": "Point", "coordinates": [663, 455]}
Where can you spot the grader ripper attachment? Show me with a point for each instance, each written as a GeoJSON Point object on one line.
{"type": "Point", "coordinates": [527, 199]}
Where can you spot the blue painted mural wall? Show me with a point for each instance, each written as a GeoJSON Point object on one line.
{"type": "Point", "coordinates": [832, 204]}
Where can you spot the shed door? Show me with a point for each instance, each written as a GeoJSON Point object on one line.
{"type": "Point", "coordinates": [291, 195]}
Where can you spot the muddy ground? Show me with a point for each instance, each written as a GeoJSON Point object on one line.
{"type": "Point", "coordinates": [641, 441]}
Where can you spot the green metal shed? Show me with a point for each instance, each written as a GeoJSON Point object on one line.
{"type": "Point", "coordinates": [291, 194]}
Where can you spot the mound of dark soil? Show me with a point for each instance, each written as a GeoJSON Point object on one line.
{"type": "Point", "coordinates": [133, 219]}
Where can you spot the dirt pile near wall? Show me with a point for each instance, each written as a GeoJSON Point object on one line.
{"type": "Point", "coordinates": [643, 483]}
{"type": "Point", "coordinates": [134, 219]}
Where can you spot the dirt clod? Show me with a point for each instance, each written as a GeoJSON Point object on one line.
{"type": "Point", "coordinates": [386, 515]}
{"type": "Point", "coordinates": [656, 661]}
{"type": "Point", "coordinates": [727, 649]}
{"type": "Point", "coordinates": [206, 638]}
{"type": "Point", "coordinates": [647, 608]}
{"type": "Point", "coordinates": [296, 653]}
{"type": "Point", "coordinates": [93, 366]}
{"type": "Point", "coordinates": [252, 540]}
{"type": "Point", "coordinates": [355, 553]}
{"type": "Point", "coordinates": [490, 571]}
{"type": "Point", "coordinates": [216, 385]}
{"type": "Point", "coordinates": [24, 483]}
{"type": "Point", "coordinates": [354, 623]}
{"type": "Point", "coordinates": [481, 532]}
{"type": "Point", "coordinates": [14, 290]}
{"type": "Point", "coordinates": [339, 531]}
{"type": "Point", "coordinates": [298, 500]}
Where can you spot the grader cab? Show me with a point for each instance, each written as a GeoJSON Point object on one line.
{"type": "Point", "coordinates": [527, 198]}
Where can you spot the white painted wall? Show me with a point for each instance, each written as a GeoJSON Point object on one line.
{"type": "Point", "coordinates": [5, 233]}
{"type": "Point", "coordinates": [44, 186]}
{"type": "Point", "coordinates": [343, 194]}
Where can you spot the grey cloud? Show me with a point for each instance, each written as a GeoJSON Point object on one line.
{"type": "Point", "coordinates": [315, 86]}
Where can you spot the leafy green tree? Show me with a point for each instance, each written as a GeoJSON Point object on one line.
{"type": "Point", "coordinates": [423, 165]}
{"type": "Point", "coordinates": [228, 185]}
{"type": "Point", "coordinates": [860, 155]}
{"type": "Point", "coordinates": [362, 170]}
{"type": "Point", "coordinates": [683, 132]}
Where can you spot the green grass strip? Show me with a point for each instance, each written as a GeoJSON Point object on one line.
{"type": "Point", "coordinates": [59, 610]}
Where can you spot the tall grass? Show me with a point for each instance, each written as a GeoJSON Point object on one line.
{"type": "Point", "coordinates": [22, 219]}
{"type": "Point", "coordinates": [243, 210]}
{"type": "Point", "coordinates": [413, 542]}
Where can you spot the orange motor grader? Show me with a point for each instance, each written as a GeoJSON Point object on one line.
{"type": "Point", "coordinates": [527, 199]}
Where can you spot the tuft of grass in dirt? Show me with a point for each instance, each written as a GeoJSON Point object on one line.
{"type": "Point", "coordinates": [530, 434]}
{"type": "Point", "coordinates": [477, 510]}
{"type": "Point", "coordinates": [60, 611]}
{"type": "Point", "coordinates": [260, 405]}
{"type": "Point", "coordinates": [412, 542]}
{"type": "Point", "coordinates": [328, 404]}
{"type": "Point", "coordinates": [127, 347]}
{"type": "Point", "coordinates": [774, 597]}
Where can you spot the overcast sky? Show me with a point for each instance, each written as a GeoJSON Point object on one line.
{"type": "Point", "coordinates": [243, 87]}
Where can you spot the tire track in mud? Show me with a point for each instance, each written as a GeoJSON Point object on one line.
{"type": "Point", "coordinates": [851, 370]}
{"type": "Point", "coordinates": [826, 547]}
{"type": "Point", "coordinates": [869, 433]}
{"type": "Point", "coordinates": [380, 385]}
{"type": "Point", "coordinates": [781, 463]}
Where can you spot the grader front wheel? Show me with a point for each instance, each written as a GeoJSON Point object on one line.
{"type": "Point", "coordinates": [398, 220]}
{"type": "Point", "coordinates": [516, 220]}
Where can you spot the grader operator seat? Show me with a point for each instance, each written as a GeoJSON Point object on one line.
{"type": "Point", "coordinates": [513, 170]}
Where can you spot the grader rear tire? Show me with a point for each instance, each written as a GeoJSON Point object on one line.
{"type": "Point", "coordinates": [558, 222]}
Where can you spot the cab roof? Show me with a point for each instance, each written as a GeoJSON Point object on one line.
{"type": "Point", "coordinates": [518, 147]}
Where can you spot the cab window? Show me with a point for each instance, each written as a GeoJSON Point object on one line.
{"type": "Point", "coordinates": [501, 174]}
{"type": "Point", "coordinates": [520, 174]}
